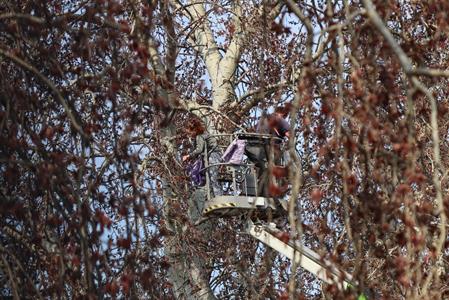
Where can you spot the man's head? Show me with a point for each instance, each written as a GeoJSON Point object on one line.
{"type": "Point", "coordinates": [195, 127]}
{"type": "Point", "coordinates": [282, 111]}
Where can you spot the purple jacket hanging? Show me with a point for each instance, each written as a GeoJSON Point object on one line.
{"type": "Point", "coordinates": [196, 172]}
{"type": "Point", "coordinates": [234, 153]}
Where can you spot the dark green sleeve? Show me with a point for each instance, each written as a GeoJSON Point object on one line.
{"type": "Point", "coordinates": [200, 143]}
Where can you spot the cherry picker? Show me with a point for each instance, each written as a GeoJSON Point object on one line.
{"type": "Point", "coordinates": [243, 197]}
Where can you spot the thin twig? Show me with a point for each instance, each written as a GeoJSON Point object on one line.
{"type": "Point", "coordinates": [297, 176]}
{"type": "Point", "coordinates": [53, 88]}
{"type": "Point", "coordinates": [199, 107]}
{"type": "Point", "coordinates": [407, 66]}
{"type": "Point", "coordinates": [11, 278]}
{"type": "Point", "coordinates": [31, 18]}
{"type": "Point", "coordinates": [404, 60]}
{"type": "Point", "coordinates": [429, 72]}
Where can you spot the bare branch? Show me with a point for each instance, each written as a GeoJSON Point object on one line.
{"type": "Point", "coordinates": [53, 88]}
{"type": "Point", "coordinates": [438, 172]}
{"type": "Point", "coordinates": [199, 107]}
{"type": "Point", "coordinates": [170, 57]}
{"type": "Point", "coordinates": [378, 23]}
{"type": "Point", "coordinates": [204, 42]}
{"type": "Point", "coordinates": [402, 56]}
{"type": "Point", "coordinates": [256, 96]}
{"type": "Point", "coordinates": [11, 276]}
{"type": "Point", "coordinates": [429, 72]}
{"type": "Point", "coordinates": [306, 21]}
{"type": "Point", "coordinates": [31, 18]}
{"type": "Point", "coordinates": [232, 56]}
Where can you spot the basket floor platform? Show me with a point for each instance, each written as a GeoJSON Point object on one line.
{"type": "Point", "coordinates": [230, 206]}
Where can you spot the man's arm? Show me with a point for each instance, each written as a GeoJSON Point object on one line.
{"type": "Point", "coordinates": [284, 128]}
{"type": "Point", "coordinates": [199, 149]}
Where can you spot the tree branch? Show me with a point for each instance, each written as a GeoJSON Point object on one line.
{"type": "Point", "coordinates": [31, 18]}
{"type": "Point", "coordinates": [296, 176]}
{"type": "Point", "coordinates": [52, 87]}
{"type": "Point", "coordinates": [11, 279]}
{"type": "Point", "coordinates": [404, 60]}
{"type": "Point", "coordinates": [429, 72]}
{"type": "Point", "coordinates": [255, 96]}
{"type": "Point", "coordinates": [407, 66]}
{"type": "Point", "coordinates": [295, 9]}
{"type": "Point", "coordinates": [230, 60]}
{"type": "Point", "coordinates": [204, 39]}
{"type": "Point", "coordinates": [170, 58]}
{"type": "Point", "coordinates": [438, 172]}
{"type": "Point", "coordinates": [199, 107]}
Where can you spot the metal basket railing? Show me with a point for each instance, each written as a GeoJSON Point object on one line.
{"type": "Point", "coordinates": [239, 179]}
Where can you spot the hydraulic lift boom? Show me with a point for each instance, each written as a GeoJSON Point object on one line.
{"type": "Point", "coordinates": [303, 256]}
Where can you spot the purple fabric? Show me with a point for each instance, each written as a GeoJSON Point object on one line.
{"type": "Point", "coordinates": [234, 153]}
{"type": "Point", "coordinates": [196, 172]}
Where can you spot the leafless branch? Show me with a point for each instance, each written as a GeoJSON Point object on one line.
{"type": "Point", "coordinates": [256, 96]}
{"type": "Point", "coordinates": [207, 107]}
{"type": "Point", "coordinates": [437, 173]}
{"type": "Point", "coordinates": [31, 18]}
{"type": "Point", "coordinates": [429, 72]}
{"type": "Point", "coordinates": [52, 87]}
{"type": "Point", "coordinates": [378, 23]}
{"type": "Point", "coordinates": [12, 280]}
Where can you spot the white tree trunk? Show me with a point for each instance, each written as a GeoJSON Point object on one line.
{"type": "Point", "coordinates": [189, 275]}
